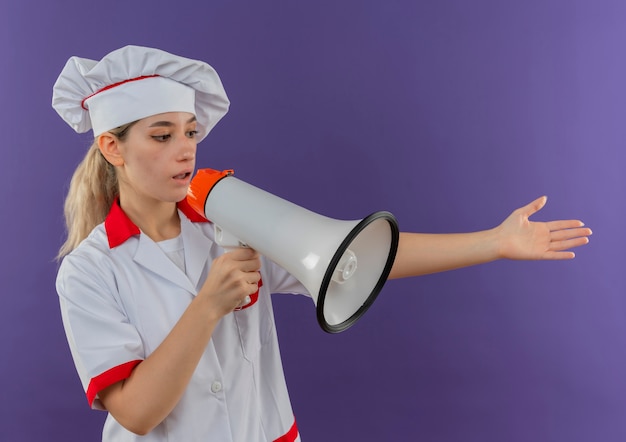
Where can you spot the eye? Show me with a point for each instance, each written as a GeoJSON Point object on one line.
{"type": "Point", "coordinates": [192, 133]}
{"type": "Point", "coordinates": [161, 138]}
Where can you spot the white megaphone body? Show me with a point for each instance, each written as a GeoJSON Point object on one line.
{"type": "Point", "coordinates": [343, 264]}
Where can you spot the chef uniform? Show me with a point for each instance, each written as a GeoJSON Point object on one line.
{"type": "Point", "coordinates": [121, 293]}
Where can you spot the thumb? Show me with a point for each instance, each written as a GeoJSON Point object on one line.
{"type": "Point", "coordinates": [535, 206]}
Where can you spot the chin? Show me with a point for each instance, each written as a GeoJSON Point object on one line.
{"type": "Point", "coordinates": [175, 197]}
{"type": "Point", "coordinates": [180, 198]}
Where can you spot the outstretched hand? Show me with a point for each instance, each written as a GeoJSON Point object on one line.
{"type": "Point", "coordinates": [525, 239]}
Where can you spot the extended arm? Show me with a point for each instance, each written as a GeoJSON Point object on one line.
{"type": "Point", "coordinates": [516, 238]}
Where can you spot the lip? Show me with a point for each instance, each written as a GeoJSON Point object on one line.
{"type": "Point", "coordinates": [183, 176]}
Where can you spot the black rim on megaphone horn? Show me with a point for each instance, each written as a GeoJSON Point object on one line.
{"type": "Point", "coordinates": [393, 248]}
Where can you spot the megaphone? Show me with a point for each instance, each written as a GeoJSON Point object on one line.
{"type": "Point", "coordinates": [342, 264]}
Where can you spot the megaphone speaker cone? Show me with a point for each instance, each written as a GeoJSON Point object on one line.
{"type": "Point", "coordinates": [371, 245]}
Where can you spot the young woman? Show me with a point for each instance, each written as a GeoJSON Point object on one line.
{"type": "Point", "coordinates": [150, 302]}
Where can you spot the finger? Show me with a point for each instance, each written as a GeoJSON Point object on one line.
{"type": "Point", "coordinates": [250, 265]}
{"type": "Point", "coordinates": [558, 255]}
{"type": "Point", "coordinates": [252, 288]}
{"type": "Point", "coordinates": [565, 234]}
{"type": "Point", "coordinates": [243, 253]}
{"type": "Point", "coordinates": [565, 224]}
{"type": "Point", "coordinates": [535, 206]}
{"type": "Point", "coordinates": [247, 260]}
{"type": "Point", "coordinates": [557, 246]}
{"type": "Point", "coordinates": [253, 277]}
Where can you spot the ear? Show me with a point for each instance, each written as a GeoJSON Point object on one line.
{"type": "Point", "coordinates": [109, 146]}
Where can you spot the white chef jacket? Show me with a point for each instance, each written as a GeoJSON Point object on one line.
{"type": "Point", "coordinates": [120, 295]}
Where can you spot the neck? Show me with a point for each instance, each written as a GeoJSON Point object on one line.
{"type": "Point", "coordinates": [159, 220]}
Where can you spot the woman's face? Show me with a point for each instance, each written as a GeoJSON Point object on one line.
{"type": "Point", "coordinates": [159, 156]}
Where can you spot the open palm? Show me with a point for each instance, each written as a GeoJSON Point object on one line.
{"type": "Point", "coordinates": [525, 239]}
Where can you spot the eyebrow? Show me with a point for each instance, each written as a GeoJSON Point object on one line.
{"type": "Point", "coordinates": [169, 123]}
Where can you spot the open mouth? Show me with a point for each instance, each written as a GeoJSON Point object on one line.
{"type": "Point", "coordinates": [182, 176]}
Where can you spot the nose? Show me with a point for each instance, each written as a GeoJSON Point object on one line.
{"type": "Point", "coordinates": [188, 151]}
{"type": "Point", "coordinates": [188, 155]}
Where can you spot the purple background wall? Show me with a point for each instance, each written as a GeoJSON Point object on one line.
{"type": "Point", "coordinates": [450, 114]}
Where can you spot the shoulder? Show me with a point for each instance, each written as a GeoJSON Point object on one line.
{"type": "Point", "coordinates": [95, 248]}
{"type": "Point", "coordinates": [92, 262]}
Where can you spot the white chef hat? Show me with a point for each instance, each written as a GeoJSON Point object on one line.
{"type": "Point", "coordinates": [135, 82]}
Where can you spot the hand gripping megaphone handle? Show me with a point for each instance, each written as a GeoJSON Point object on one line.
{"type": "Point", "coordinates": [206, 179]}
{"type": "Point", "coordinates": [230, 242]}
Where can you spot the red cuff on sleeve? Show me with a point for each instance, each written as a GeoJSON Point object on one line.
{"type": "Point", "coordinates": [109, 378]}
{"type": "Point", "coordinates": [289, 436]}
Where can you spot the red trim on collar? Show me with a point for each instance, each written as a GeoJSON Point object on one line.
{"type": "Point", "coordinates": [119, 227]}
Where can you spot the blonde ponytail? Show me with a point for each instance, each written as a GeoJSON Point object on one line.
{"type": "Point", "coordinates": [93, 189]}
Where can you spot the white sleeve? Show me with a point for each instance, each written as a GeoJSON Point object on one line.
{"type": "Point", "coordinates": [104, 345]}
{"type": "Point", "coordinates": [282, 281]}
